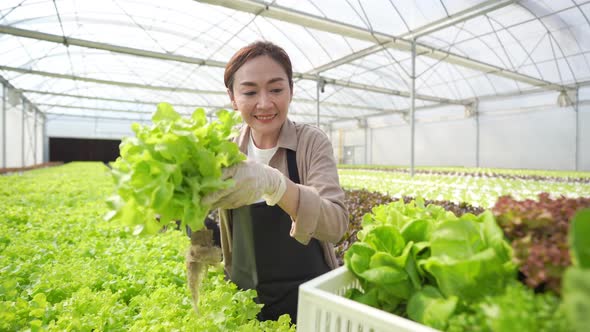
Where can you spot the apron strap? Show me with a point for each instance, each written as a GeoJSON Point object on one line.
{"type": "Point", "coordinates": [292, 165]}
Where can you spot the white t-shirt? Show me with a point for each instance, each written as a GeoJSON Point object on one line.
{"type": "Point", "coordinates": [260, 155]}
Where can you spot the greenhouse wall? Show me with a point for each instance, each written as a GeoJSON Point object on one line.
{"type": "Point", "coordinates": [390, 145]}
{"type": "Point", "coordinates": [76, 127]}
{"type": "Point", "coordinates": [584, 138]}
{"type": "Point", "coordinates": [23, 134]}
{"type": "Point", "coordinates": [354, 147]}
{"type": "Point", "coordinates": [449, 143]}
{"type": "Point", "coordinates": [524, 131]}
{"type": "Point", "coordinates": [31, 129]}
{"type": "Point", "coordinates": [13, 136]}
{"type": "Point", "coordinates": [542, 139]}
{"type": "Point", "coordinates": [40, 140]}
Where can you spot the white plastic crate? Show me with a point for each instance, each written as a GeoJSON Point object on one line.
{"type": "Point", "coordinates": [323, 308]}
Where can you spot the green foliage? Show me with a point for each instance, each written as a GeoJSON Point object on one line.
{"type": "Point", "coordinates": [516, 308]}
{"type": "Point", "coordinates": [576, 280]}
{"type": "Point", "coordinates": [578, 239]}
{"type": "Point", "coordinates": [576, 297]}
{"type": "Point", "coordinates": [63, 268]}
{"type": "Point", "coordinates": [167, 168]}
{"type": "Point", "coordinates": [469, 257]}
{"type": "Point", "coordinates": [430, 307]}
{"type": "Point", "coordinates": [360, 202]}
{"type": "Point", "coordinates": [479, 190]}
{"type": "Point", "coordinates": [427, 259]}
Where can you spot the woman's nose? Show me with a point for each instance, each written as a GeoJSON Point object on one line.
{"type": "Point", "coordinates": [264, 100]}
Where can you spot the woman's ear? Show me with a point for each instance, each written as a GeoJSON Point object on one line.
{"type": "Point", "coordinates": [232, 99]}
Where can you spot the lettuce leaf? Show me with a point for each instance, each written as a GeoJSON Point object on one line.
{"type": "Point", "coordinates": [165, 170]}
{"type": "Point", "coordinates": [576, 280]}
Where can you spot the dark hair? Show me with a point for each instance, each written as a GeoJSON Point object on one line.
{"type": "Point", "coordinates": [251, 51]}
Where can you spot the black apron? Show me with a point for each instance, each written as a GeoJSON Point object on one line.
{"type": "Point", "coordinates": [266, 258]}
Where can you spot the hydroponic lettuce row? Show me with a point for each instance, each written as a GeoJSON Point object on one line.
{"type": "Point", "coordinates": [517, 308]}
{"type": "Point", "coordinates": [571, 177]}
{"type": "Point", "coordinates": [478, 191]}
{"type": "Point", "coordinates": [63, 268]}
{"type": "Point", "coordinates": [167, 168]}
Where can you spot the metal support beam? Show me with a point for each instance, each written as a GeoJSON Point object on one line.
{"type": "Point", "coordinates": [317, 100]}
{"type": "Point", "coordinates": [22, 127]}
{"type": "Point", "coordinates": [34, 137]}
{"type": "Point", "coordinates": [45, 140]}
{"type": "Point", "coordinates": [366, 129]}
{"type": "Point", "coordinates": [4, 92]}
{"type": "Point", "coordinates": [131, 101]}
{"type": "Point", "coordinates": [403, 111]}
{"type": "Point", "coordinates": [172, 57]}
{"type": "Point", "coordinates": [265, 9]}
{"type": "Point", "coordinates": [384, 40]}
{"type": "Point", "coordinates": [319, 88]}
{"type": "Point", "coordinates": [4, 29]}
{"type": "Point", "coordinates": [143, 102]}
{"type": "Point", "coordinates": [347, 59]}
{"type": "Point", "coordinates": [60, 114]}
{"type": "Point", "coordinates": [412, 107]}
{"type": "Point", "coordinates": [464, 15]}
{"type": "Point", "coordinates": [116, 110]}
{"type": "Point", "coordinates": [153, 87]}
{"type": "Point", "coordinates": [470, 100]}
{"type": "Point", "coordinates": [477, 140]}
{"type": "Point", "coordinates": [102, 109]}
{"type": "Point", "coordinates": [108, 82]}
{"type": "Point", "coordinates": [352, 85]}
{"type": "Point", "coordinates": [577, 110]}
{"type": "Point", "coordinates": [459, 17]}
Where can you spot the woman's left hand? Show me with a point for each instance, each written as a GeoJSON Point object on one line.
{"type": "Point", "coordinates": [252, 181]}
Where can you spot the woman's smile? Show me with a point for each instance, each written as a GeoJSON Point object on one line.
{"type": "Point", "coordinates": [265, 118]}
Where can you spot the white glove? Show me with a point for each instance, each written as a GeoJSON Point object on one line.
{"type": "Point", "coordinates": [253, 181]}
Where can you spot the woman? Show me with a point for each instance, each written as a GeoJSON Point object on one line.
{"type": "Point", "coordinates": [280, 220]}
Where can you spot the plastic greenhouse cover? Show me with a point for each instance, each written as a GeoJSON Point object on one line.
{"type": "Point", "coordinates": [511, 49]}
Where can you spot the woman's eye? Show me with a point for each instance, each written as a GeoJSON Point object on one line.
{"type": "Point", "coordinates": [250, 93]}
{"type": "Point", "coordinates": [276, 90]}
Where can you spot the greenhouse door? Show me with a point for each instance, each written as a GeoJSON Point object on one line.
{"type": "Point", "coordinates": [83, 149]}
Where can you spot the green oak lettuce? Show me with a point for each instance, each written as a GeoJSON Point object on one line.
{"type": "Point", "coordinates": [63, 268]}
{"type": "Point", "coordinates": [516, 308]}
{"type": "Point", "coordinates": [165, 170]}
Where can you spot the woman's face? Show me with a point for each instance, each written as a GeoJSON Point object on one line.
{"type": "Point", "coordinates": [262, 94]}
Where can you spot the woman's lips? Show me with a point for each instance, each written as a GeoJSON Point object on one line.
{"type": "Point", "coordinates": [265, 117]}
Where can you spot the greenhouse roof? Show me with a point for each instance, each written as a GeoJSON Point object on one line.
{"type": "Point", "coordinates": [118, 58]}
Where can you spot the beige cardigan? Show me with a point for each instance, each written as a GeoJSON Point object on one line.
{"type": "Point", "coordinates": [321, 213]}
